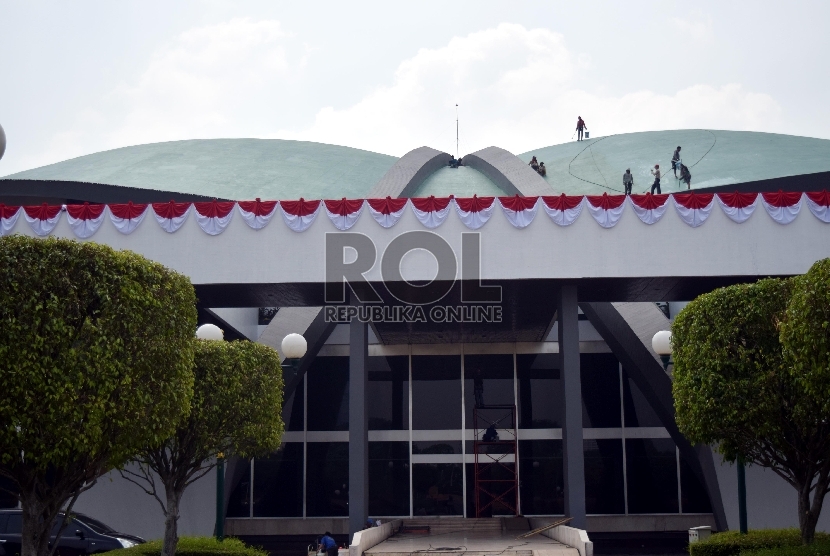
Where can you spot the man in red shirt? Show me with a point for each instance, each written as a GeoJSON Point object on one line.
{"type": "Point", "coordinates": [580, 125]}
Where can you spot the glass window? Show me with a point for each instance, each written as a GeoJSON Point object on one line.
{"type": "Point", "coordinates": [437, 488]}
{"type": "Point", "coordinates": [436, 392]}
{"type": "Point", "coordinates": [540, 391]}
{"type": "Point", "coordinates": [292, 409]}
{"type": "Point", "coordinates": [693, 491]}
{"type": "Point", "coordinates": [328, 394]}
{"type": "Point", "coordinates": [388, 393]}
{"type": "Point", "coordinates": [327, 479]}
{"type": "Point", "coordinates": [651, 466]}
{"type": "Point", "coordinates": [496, 480]}
{"type": "Point", "coordinates": [388, 478]}
{"type": "Point", "coordinates": [600, 374]}
{"type": "Point", "coordinates": [278, 482]}
{"type": "Point", "coordinates": [488, 380]}
{"type": "Point", "coordinates": [238, 474]}
{"type": "Point", "coordinates": [436, 446]}
{"type": "Point", "coordinates": [604, 490]}
{"type": "Point", "coordinates": [638, 412]}
{"type": "Point", "coordinates": [542, 481]}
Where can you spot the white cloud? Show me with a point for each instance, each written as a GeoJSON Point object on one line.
{"type": "Point", "coordinates": [697, 26]}
{"type": "Point", "coordinates": [518, 88]}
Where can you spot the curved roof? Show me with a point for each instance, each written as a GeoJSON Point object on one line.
{"type": "Point", "coordinates": [714, 158]}
{"type": "Point", "coordinates": [461, 182]}
{"type": "Point", "coordinates": [229, 168]}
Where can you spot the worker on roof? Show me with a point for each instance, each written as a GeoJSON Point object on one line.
{"type": "Point", "coordinates": [580, 126]}
{"type": "Point", "coordinates": [628, 181]}
{"type": "Point", "coordinates": [675, 160]}
{"type": "Point", "coordinates": [656, 185]}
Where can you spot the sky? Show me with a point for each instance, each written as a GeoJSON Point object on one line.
{"type": "Point", "coordinates": [81, 77]}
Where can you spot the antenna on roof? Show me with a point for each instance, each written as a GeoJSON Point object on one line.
{"type": "Point", "coordinates": [456, 130]}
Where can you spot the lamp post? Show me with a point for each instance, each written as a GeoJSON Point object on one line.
{"type": "Point", "coordinates": [661, 343]}
{"type": "Point", "coordinates": [214, 333]}
{"type": "Point", "coordinates": [294, 347]}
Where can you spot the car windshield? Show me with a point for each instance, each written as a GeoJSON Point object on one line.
{"type": "Point", "coordinates": [96, 525]}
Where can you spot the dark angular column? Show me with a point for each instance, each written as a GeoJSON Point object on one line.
{"type": "Point", "coordinates": [573, 464]}
{"type": "Point", "coordinates": [358, 426]}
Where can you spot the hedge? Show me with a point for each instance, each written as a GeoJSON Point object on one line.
{"type": "Point", "coordinates": [732, 543]}
{"type": "Point", "coordinates": [194, 546]}
{"type": "Point", "coordinates": [818, 548]}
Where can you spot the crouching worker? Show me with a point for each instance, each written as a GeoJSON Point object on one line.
{"type": "Point", "coordinates": [328, 545]}
{"type": "Point", "coordinates": [685, 176]}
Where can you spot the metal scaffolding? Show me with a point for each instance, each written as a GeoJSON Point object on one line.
{"type": "Point", "coordinates": [495, 445]}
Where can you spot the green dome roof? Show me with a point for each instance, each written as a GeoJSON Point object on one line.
{"type": "Point", "coordinates": [714, 158]}
{"type": "Point", "coordinates": [229, 168]}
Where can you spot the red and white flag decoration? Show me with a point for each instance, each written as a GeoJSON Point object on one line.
{"type": "Point", "coordinates": [564, 209]}
{"type": "Point", "coordinates": [386, 212]}
{"type": "Point", "coordinates": [171, 216]}
{"type": "Point", "coordinates": [299, 215]}
{"type": "Point", "coordinates": [738, 206]}
{"type": "Point", "coordinates": [782, 206]}
{"type": "Point", "coordinates": [475, 211]}
{"type": "Point", "coordinates": [42, 218]}
{"type": "Point", "coordinates": [606, 209]}
{"type": "Point", "coordinates": [649, 208]}
{"type": "Point", "coordinates": [8, 218]}
{"type": "Point", "coordinates": [257, 214]}
{"type": "Point", "coordinates": [85, 219]}
{"type": "Point", "coordinates": [213, 217]}
{"type": "Point", "coordinates": [344, 213]}
{"type": "Point", "coordinates": [431, 211]}
{"type": "Point", "coordinates": [127, 217]}
{"type": "Point", "coordinates": [694, 208]}
{"type": "Point", "coordinates": [819, 204]}
{"type": "Point", "coordinates": [520, 211]}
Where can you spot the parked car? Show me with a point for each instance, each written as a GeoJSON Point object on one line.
{"type": "Point", "coordinates": [83, 535]}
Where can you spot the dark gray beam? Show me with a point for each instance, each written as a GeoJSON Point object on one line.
{"type": "Point", "coordinates": [574, 461]}
{"type": "Point", "coordinates": [358, 426]}
{"type": "Point", "coordinates": [649, 376]}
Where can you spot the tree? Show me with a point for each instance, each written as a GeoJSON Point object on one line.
{"type": "Point", "coordinates": [235, 411]}
{"type": "Point", "coordinates": [96, 361]}
{"type": "Point", "coordinates": [749, 376]}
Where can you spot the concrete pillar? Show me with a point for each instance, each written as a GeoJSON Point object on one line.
{"type": "Point", "coordinates": [358, 426]}
{"type": "Point", "coordinates": [573, 457]}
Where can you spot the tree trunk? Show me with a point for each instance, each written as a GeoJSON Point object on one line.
{"type": "Point", "coordinates": [171, 520]}
{"type": "Point", "coordinates": [809, 511]}
{"type": "Point", "coordinates": [34, 539]}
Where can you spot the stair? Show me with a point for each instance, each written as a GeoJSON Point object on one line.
{"type": "Point", "coordinates": [441, 525]}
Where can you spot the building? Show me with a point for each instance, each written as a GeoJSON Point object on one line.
{"type": "Point", "coordinates": [544, 319]}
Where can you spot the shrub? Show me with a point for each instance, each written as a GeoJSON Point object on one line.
{"type": "Point", "coordinates": [194, 546]}
{"type": "Point", "coordinates": [732, 543]}
{"type": "Point", "coordinates": [818, 548]}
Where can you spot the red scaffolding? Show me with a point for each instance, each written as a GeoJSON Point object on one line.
{"type": "Point", "coordinates": [496, 439]}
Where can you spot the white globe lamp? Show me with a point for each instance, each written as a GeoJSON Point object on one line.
{"type": "Point", "coordinates": [210, 332]}
{"type": "Point", "coordinates": [661, 344]}
{"type": "Point", "coordinates": [294, 346]}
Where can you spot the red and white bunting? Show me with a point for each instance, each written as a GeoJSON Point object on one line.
{"type": "Point", "coordinates": [257, 214]}
{"type": "Point", "coordinates": [8, 218]}
{"type": "Point", "coordinates": [819, 204]}
{"type": "Point", "coordinates": [649, 208]}
{"type": "Point", "coordinates": [474, 211]}
{"type": "Point", "coordinates": [42, 218]}
{"type": "Point", "coordinates": [694, 208]}
{"type": "Point", "coordinates": [520, 211]}
{"type": "Point", "coordinates": [431, 211]}
{"type": "Point", "coordinates": [564, 209]}
{"type": "Point", "coordinates": [299, 215]}
{"type": "Point", "coordinates": [782, 206]}
{"type": "Point", "coordinates": [606, 209]}
{"type": "Point", "coordinates": [213, 217]}
{"type": "Point", "coordinates": [127, 217]}
{"type": "Point", "coordinates": [85, 219]}
{"type": "Point", "coordinates": [387, 212]}
{"type": "Point", "coordinates": [344, 213]}
{"type": "Point", "coordinates": [738, 206]}
{"type": "Point", "coordinates": [171, 216]}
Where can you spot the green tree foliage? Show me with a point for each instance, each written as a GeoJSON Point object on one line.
{"type": "Point", "coordinates": [235, 411]}
{"type": "Point", "coordinates": [752, 375]}
{"type": "Point", "coordinates": [96, 361]}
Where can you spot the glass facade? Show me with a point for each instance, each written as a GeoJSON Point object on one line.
{"type": "Point", "coordinates": [420, 441]}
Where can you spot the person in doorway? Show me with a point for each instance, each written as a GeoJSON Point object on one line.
{"type": "Point", "coordinates": [580, 126]}
{"type": "Point", "coordinates": [328, 545]}
{"type": "Point", "coordinates": [656, 185]}
{"type": "Point", "coordinates": [628, 181]}
{"type": "Point", "coordinates": [675, 160]}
